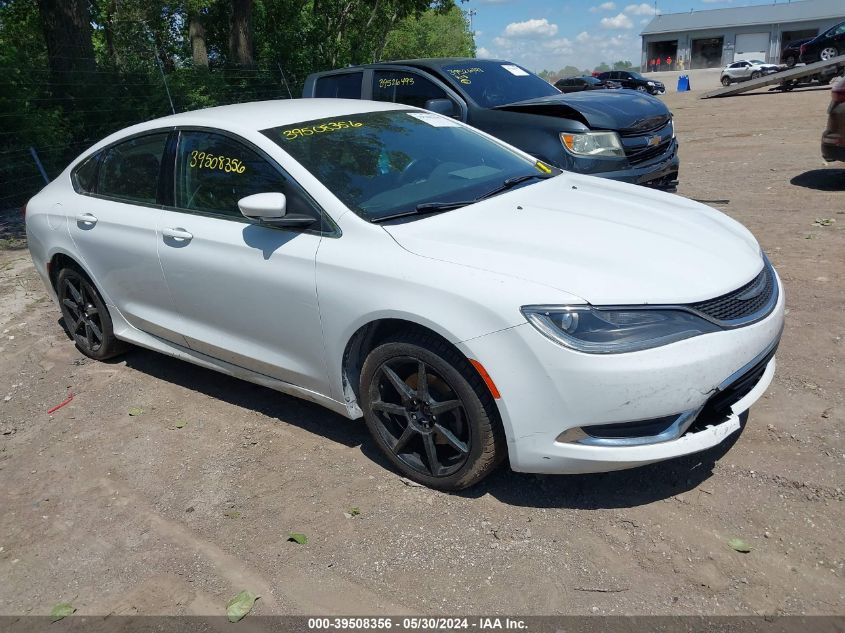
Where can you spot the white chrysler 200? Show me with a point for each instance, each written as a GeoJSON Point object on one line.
{"type": "Point", "coordinates": [471, 303]}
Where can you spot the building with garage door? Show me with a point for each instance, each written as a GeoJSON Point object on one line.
{"type": "Point", "coordinates": [717, 37]}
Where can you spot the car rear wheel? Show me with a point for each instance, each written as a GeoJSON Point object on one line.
{"type": "Point", "coordinates": [726, 81]}
{"type": "Point", "coordinates": [790, 61]}
{"type": "Point", "coordinates": [430, 412]}
{"type": "Point", "coordinates": [86, 317]}
{"type": "Point", "coordinates": [828, 52]}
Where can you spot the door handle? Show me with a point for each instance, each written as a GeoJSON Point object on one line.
{"type": "Point", "coordinates": [177, 234]}
{"type": "Point", "coordinates": [86, 218]}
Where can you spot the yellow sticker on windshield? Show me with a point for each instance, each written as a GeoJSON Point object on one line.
{"type": "Point", "coordinates": [332, 126]}
{"type": "Point", "coordinates": [463, 74]}
{"type": "Point", "coordinates": [205, 160]}
{"type": "Point", "coordinates": [543, 167]}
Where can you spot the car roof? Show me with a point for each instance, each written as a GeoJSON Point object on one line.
{"type": "Point", "coordinates": [258, 115]}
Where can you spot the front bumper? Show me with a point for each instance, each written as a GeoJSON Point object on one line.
{"type": "Point", "coordinates": [549, 391]}
{"type": "Point", "coordinates": [660, 172]}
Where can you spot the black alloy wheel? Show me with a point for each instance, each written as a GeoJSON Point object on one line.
{"type": "Point", "coordinates": [86, 316]}
{"type": "Point", "coordinates": [431, 413]}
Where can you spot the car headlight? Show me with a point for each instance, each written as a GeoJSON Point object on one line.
{"type": "Point", "coordinates": [650, 83]}
{"type": "Point", "coordinates": [593, 143]}
{"type": "Point", "coordinates": [615, 330]}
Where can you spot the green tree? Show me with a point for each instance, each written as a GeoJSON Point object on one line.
{"type": "Point", "coordinates": [431, 34]}
{"type": "Point", "coordinates": [622, 65]}
{"type": "Point", "coordinates": [602, 68]}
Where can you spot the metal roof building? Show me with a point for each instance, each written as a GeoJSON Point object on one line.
{"type": "Point", "coordinates": [717, 37]}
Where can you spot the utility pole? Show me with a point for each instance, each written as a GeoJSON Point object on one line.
{"type": "Point", "coordinates": [470, 14]}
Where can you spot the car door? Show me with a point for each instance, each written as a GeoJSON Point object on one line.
{"type": "Point", "coordinates": [113, 226]}
{"type": "Point", "coordinates": [246, 292]}
{"type": "Point", "coordinates": [413, 88]}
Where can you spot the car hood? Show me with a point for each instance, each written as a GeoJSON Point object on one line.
{"type": "Point", "coordinates": [606, 242]}
{"type": "Point", "coordinates": [622, 110]}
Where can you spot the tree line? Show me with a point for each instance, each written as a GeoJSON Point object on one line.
{"type": "Point", "coordinates": [76, 70]}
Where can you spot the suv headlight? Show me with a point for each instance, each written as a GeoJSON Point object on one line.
{"type": "Point", "coordinates": [615, 330]}
{"type": "Point", "coordinates": [650, 83]}
{"type": "Point", "coordinates": [593, 143]}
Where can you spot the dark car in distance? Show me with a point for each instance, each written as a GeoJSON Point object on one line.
{"type": "Point", "coordinates": [791, 53]}
{"type": "Point", "coordinates": [610, 133]}
{"type": "Point", "coordinates": [833, 139]}
{"type": "Point", "coordinates": [634, 81]}
{"type": "Point", "coordinates": [825, 46]}
{"type": "Point", "coordinates": [577, 84]}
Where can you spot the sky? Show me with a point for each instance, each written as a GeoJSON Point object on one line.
{"type": "Point", "coordinates": [551, 34]}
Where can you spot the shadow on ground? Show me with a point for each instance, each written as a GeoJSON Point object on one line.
{"type": "Point", "coordinates": [621, 489]}
{"type": "Point", "coordinates": [821, 179]}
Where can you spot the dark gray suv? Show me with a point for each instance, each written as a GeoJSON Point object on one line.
{"type": "Point", "coordinates": [616, 134]}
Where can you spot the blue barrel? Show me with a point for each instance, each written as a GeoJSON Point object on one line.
{"type": "Point", "coordinates": [683, 83]}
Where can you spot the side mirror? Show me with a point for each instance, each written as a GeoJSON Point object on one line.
{"type": "Point", "coordinates": [441, 106]}
{"type": "Point", "coordinates": [271, 209]}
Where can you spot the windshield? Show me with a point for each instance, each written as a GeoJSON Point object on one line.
{"type": "Point", "coordinates": [382, 164]}
{"type": "Point", "coordinates": [491, 84]}
{"type": "Point", "coordinates": [636, 75]}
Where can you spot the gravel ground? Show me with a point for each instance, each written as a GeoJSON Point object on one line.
{"type": "Point", "coordinates": [175, 510]}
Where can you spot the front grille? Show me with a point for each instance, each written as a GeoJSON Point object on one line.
{"type": "Point", "coordinates": [637, 149]}
{"type": "Point", "coordinates": [641, 156]}
{"type": "Point", "coordinates": [750, 302]}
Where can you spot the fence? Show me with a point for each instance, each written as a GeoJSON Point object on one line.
{"type": "Point", "coordinates": [46, 119]}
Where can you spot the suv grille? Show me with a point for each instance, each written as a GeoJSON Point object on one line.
{"type": "Point", "coordinates": [750, 302]}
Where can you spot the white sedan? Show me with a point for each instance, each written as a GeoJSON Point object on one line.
{"type": "Point", "coordinates": [470, 303]}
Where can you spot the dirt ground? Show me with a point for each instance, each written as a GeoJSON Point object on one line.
{"type": "Point", "coordinates": [175, 510]}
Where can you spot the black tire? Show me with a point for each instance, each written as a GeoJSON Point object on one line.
{"type": "Point", "coordinates": [642, 89]}
{"type": "Point", "coordinates": [86, 317]}
{"type": "Point", "coordinates": [755, 74]}
{"type": "Point", "coordinates": [453, 452]}
{"type": "Point", "coordinates": [726, 81]}
{"type": "Point", "coordinates": [791, 61]}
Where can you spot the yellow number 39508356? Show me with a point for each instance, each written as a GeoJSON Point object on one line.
{"type": "Point", "coordinates": [204, 160]}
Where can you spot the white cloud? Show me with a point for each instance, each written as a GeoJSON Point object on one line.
{"type": "Point", "coordinates": [531, 28]}
{"type": "Point", "coordinates": [604, 6]}
{"type": "Point", "coordinates": [620, 21]}
{"type": "Point", "coordinates": [583, 36]}
{"type": "Point", "coordinates": [483, 53]}
{"type": "Point", "coordinates": [640, 9]}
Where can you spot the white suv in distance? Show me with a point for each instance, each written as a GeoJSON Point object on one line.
{"type": "Point", "coordinates": [471, 303]}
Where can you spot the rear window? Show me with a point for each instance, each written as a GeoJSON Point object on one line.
{"type": "Point", "coordinates": [343, 86]}
{"type": "Point", "coordinates": [491, 84]}
{"type": "Point", "coordinates": [130, 170]}
{"type": "Point", "coordinates": [85, 176]}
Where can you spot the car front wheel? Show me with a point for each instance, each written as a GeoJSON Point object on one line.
{"type": "Point", "coordinates": [430, 412]}
{"type": "Point", "coordinates": [86, 317]}
{"type": "Point", "coordinates": [829, 52]}
{"type": "Point", "coordinates": [755, 74]}
{"type": "Point", "coordinates": [642, 89]}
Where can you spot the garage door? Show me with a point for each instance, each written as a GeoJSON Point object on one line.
{"type": "Point", "coordinates": [751, 46]}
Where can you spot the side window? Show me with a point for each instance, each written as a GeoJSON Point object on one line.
{"type": "Point", "coordinates": [343, 86]}
{"type": "Point", "coordinates": [85, 176]}
{"type": "Point", "coordinates": [402, 87]}
{"type": "Point", "coordinates": [214, 171]}
{"type": "Point", "coordinates": [130, 170]}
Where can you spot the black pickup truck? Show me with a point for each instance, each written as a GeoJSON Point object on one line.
{"type": "Point", "coordinates": [618, 134]}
